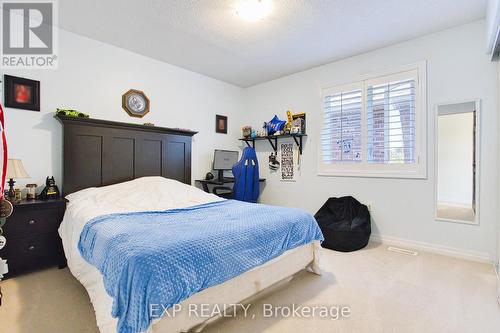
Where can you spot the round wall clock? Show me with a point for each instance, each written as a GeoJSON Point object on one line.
{"type": "Point", "coordinates": [135, 103]}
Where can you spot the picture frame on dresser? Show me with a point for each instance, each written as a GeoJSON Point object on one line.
{"type": "Point", "coordinates": [33, 240]}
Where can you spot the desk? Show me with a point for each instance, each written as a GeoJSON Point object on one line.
{"type": "Point", "coordinates": [218, 182]}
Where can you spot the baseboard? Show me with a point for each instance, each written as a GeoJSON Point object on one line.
{"type": "Point", "coordinates": [434, 248]}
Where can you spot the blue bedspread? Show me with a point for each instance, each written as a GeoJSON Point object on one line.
{"type": "Point", "coordinates": [164, 257]}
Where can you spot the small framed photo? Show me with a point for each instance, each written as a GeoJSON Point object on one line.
{"type": "Point", "coordinates": [220, 124]}
{"type": "Point", "coordinates": [21, 93]}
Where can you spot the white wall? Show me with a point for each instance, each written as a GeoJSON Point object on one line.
{"type": "Point", "coordinates": [92, 77]}
{"type": "Point", "coordinates": [458, 69]}
{"type": "Point", "coordinates": [455, 158]}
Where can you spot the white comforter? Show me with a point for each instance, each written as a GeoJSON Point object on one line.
{"type": "Point", "coordinates": [142, 194]}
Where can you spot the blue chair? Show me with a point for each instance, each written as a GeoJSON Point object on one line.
{"type": "Point", "coordinates": [246, 177]}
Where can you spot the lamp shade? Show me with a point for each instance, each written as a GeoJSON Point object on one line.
{"type": "Point", "coordinates": [15, 169]}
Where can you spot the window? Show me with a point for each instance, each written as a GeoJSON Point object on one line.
{"type": "Point", "coordinates": [341, 136]}
{"type": "Point", "coordinates": [375, 127]}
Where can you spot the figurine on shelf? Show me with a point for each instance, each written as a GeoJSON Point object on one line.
{"type": "Point", "coordinates": [246, 131]}
{"type": "Point", "coordinates": [289, 123]}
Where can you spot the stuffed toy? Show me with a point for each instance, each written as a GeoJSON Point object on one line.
{"type": "Point", "coordinates": [275, 125]}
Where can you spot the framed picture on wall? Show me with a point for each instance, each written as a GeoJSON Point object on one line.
{"type": "Point", "coordinates": [21, 93]}
{"type": "Point", "coordinates": [220, 124]}
{"type": "Point", "coordinates": [135, 103]}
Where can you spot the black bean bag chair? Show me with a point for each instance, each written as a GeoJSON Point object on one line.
{"type": "Point", "coordinates": [345, 224]}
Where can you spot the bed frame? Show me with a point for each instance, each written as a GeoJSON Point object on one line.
{"type": "Point", "coordinates": [100, 152]}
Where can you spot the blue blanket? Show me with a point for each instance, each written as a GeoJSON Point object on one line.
{"type": "Point", "coordinates": [162, 258]}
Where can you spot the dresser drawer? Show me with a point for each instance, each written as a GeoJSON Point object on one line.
{"type": "Point", "coordinates": [31, 252]}
{"type": "Point", "coordinates": [27, 222]}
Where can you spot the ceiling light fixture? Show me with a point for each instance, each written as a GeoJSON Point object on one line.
{"type": "Point", "coordinates": [254, 10]}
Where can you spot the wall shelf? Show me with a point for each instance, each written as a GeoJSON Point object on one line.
{"type": "Point", "coordinates": [273, 140]}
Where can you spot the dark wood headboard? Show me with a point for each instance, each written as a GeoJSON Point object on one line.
{"type": "Point", "coordinates": [100, 152]}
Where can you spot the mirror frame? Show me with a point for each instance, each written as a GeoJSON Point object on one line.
{"type": "Point", "coordinates": [477, 103]}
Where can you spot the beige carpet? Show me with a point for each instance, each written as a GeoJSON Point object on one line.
{"type": "Point", "coordinates": [455, 212]}
{"type": "Point", "coordinates": [386, 291]}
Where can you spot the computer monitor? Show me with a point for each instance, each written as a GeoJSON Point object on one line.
{"type": "Point", "coordinates": [224, 160]}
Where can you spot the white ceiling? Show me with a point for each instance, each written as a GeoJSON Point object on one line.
{"type": "Point", "coordinates": [206, 36]}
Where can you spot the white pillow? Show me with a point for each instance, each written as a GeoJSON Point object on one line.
{"type": "Point", "coordinates": [142, 194]}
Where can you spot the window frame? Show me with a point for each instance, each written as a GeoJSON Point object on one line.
{"type": "Point", "coordinates": [417, 170]}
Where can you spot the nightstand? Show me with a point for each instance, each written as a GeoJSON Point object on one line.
{"type": "Point", "coordinates": [32, 238]}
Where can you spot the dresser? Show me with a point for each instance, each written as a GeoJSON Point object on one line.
{"type": "Point", "coordinates": [32, 238]}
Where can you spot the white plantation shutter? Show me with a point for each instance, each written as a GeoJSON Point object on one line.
{"type": "Point", "coordinates": [341, 134]}
{"type": "Point", "coordinates": [376, 127]}
{"type": "Point", "coordinates": [390, 120]}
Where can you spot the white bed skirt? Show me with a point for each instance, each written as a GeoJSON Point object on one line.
{"type": "Point", "coordinates": [234, 291]}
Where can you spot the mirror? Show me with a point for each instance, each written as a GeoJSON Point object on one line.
{"type": "Point", "coordinates": [457, 152]}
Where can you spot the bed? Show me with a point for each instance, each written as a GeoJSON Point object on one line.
{"type": "Point", "coordinates": [120, 173]}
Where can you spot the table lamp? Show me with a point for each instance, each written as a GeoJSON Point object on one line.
{"type": "Point", "coordinates": [15, 169]}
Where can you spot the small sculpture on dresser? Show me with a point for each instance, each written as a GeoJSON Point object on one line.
{"type": "Point", "coordinates": [51, 191]}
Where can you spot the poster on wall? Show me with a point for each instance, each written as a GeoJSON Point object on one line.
{"type": "Point", "coordinates": [288, 168]}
